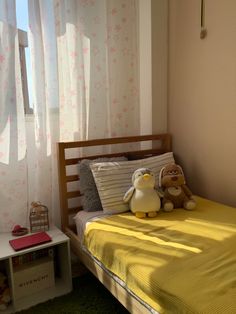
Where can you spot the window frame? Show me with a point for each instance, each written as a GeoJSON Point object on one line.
{"type": "Point", "coordinates": [23, 43]}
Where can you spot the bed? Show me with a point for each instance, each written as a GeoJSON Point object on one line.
{"type": "Point", "coordinates": [179, 262]}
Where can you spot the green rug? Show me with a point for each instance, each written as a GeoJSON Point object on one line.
{"type": "Point", "coordinates": [88, 297]}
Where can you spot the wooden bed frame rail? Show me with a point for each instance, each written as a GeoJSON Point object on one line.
{"type": "Point", "coordinates": [161, 141]}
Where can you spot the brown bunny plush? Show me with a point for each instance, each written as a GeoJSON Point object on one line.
{"type": "Point", "coordinates": [176, 194]}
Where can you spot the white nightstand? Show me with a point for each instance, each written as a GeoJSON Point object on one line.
{"type": "Point", "coordinates": [62, 282]}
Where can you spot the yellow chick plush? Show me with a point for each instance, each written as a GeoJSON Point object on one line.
{"type": "Point", "coordinates": [143, 199]}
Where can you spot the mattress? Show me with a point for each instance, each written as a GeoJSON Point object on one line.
{"type": "Point", "coordinates": [82, 220]}
{"type": "Point", "coordinates": [178, 262]}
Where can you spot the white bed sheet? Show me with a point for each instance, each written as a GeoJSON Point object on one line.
{"type": "Point", "coordinates": [83, 217]}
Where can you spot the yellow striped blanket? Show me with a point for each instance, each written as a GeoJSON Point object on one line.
{"type": "Point", "coordinates": [178, 262]}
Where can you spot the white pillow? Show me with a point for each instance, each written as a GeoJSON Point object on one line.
{"type": "Point", "coordinates": [113, 179]}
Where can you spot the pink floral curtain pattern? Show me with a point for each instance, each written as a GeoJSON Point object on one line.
{"type": "Point", "coordinates": [98, 68]}
{"type": "Point", "coordinates": [42, 44]}
{"type": "Point", "coordinates": [85, 78]}
{"type": "Point", "coordinates": [13, 169]}
{"type": "Point", "coordinates": [85, 81]}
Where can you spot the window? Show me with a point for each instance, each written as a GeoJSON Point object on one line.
{"type": "Point", "coordinates": [23, 43]}
{"type": "Point", "coordinates": [22, 24]}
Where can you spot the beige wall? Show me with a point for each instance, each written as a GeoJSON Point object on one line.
{"type": "Point", "coordinates": [202, 95]}
{"type": "Point", "coordinates": [159, 14]}
{"type": "Point", "coordinates": [145, 66]}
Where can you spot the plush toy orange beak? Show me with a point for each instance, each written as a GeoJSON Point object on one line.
{"type": "Point", "coordinates": [146, 176]}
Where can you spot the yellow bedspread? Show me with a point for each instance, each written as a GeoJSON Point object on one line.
{"type": "Point", "coordinates": [178, 262]}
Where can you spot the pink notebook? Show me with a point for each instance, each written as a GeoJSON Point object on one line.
{"type": "Point", "coordinates": [30, 240]}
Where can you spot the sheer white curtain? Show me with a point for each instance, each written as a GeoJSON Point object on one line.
{"type": "Point", "coordinates": [13, 170]}
{"type": "Point", "coordinates": [85, 78]}
{"type": "Point", "coordinates": [98, 68]}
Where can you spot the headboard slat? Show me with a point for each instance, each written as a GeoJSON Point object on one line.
{"type": "Point", "coordinates": [73, 194]}
{"type": "Point", "coordinates": [116, 140]}
{"type": "Point", "coordinates": [72, 178]}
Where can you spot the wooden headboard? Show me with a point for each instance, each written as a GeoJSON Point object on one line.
{"type": "Point", "coordinates": [159, 144]}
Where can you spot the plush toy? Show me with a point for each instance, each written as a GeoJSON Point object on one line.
{"type": "Point", "coordinates": [5, 297]}
{"type": "Point", "coordinates": [176, 194]}
{"type": "Point", "coordinates": [142, 197]}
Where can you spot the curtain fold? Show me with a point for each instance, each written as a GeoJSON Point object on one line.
{"type": "Point", "coordinates": [42, 44]}
{"type": "Point", "coordinates": [13, 167]}
{"type": "Point", "coordinates": [97, 68]}
{"type": "Point", "coordinates": [85, 79]}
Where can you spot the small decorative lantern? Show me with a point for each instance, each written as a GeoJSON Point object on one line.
{"type": "Point", "coordinates": [38, 217]}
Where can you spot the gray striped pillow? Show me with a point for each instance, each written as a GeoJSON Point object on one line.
{"type": "Point", "coordinates": [113, 179]}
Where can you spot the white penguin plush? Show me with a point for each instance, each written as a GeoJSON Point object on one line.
{"type": "Point", "coordinates": [142, 196]}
